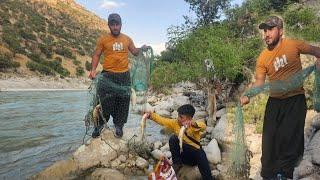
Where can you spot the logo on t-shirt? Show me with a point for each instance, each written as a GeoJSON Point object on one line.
{"type": "Point", "coordinates": [117, 46]}
{"type": "Point", "coordinates": [280, 62]}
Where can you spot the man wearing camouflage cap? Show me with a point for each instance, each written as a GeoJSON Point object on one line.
{"type": "Point", "coordinates": [113, 89]}
{"type": "Point", "coordinates": [283, 128]}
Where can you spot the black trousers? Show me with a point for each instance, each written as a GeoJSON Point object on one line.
{"type": "Point", "coordinates": [190, 156]}
{"type": "Point", "coordinates": [113, 91]}
{"type": "Point", "coordinates": [283, 135]}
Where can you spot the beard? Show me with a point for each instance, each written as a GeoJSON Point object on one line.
{"type": "Point", "coordinates": [115, 33]}
{"type": "Point", "coordinates": [273, 43]}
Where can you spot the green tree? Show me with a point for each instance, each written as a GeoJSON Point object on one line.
{"type": "Point", "coordinates": [208, 11]}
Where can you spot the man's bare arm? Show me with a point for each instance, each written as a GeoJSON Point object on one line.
{"type": "Point", "coordinates": [135, 51]}
{"type": "Point", "coordinates": [259, 81]}
{"type": "Point", "coordinates": [94, 63]}
{"type": "Point", "coordinates": [315, 51]}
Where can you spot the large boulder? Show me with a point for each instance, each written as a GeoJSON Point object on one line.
{"type": "Point", "coordinates": [213, 152]}
{"type": "Point", "coordinates": [104, 148]}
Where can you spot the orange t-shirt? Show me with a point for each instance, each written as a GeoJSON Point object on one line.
{"type": "Point", "coordinates": [115, 51]}
{"type": "Point", "coordinates": [282, 62]}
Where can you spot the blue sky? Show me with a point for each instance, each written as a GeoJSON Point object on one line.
{"type": "Point", "coordinates": [145, 21]}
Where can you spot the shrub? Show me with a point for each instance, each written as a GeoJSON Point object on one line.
{"type": "Point", "coordinates": [6, 61]}
{"type": "Point", "coordinates": [79, 71]}
{"type": "Point", "coordinates": [64, 52]}
{"type": "Point", "coordinates": [34, 66]}
{"type": "Point", "coordinates": [47, 50]}
{"type": "Point", "coordinates": [88, 66]}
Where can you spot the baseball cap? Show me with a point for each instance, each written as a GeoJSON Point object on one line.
{"type": "Point", "coordinates": [272, 21]}
{"type": "Point", "coordinates": [114, 18]}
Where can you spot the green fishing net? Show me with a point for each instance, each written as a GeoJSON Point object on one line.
{"type": "Point", "coordinates": [141, 67]}
{"type": "Point", "coordinates": [140, 71]}
{"type": "Point", "coordinates": [240, 155]}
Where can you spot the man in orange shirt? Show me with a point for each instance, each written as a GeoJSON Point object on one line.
{"type": "Point", "coordinates": [283, 128]}
{"type": "Point", "coordinates": [113, 89]}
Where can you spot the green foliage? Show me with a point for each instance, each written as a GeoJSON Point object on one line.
{"type": "Point", "coordinates": [46, 49]}
{"type": "Point", "coordinates": [54, 66]}
{"type": "Point", "coordinates": [217, 44]}
{"type": "Point", "coordinates": [209, 11]}
{"type": "Point", "coordinates": [88, 66]}
{"type": "Point", "coordinates": [27, 34]}
{"type": "Point", "coordinates": [302, 22]}
{"type": "Point", "coordinates": [6, 61]}
{"type": "Point", "coordinates": [166, 73]}
{"type": "Point", "coordinates": [76, 62]}
{"type": "Point", "coordinates": [79, 71]}
{"type": "Point", "coordinates": [63, 51]}
{"type": "Point", "coordinates": [11, 37]}
{"type": "Point", "coordinates": [34, 66]}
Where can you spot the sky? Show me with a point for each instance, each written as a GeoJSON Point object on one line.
{"type": "Point", "coordinates": [145, 21]}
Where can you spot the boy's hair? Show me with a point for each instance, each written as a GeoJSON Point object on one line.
{"type": "Point", "coordinates": [186, 109]}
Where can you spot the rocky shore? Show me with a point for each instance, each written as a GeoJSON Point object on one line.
{"type": "Point", "coordinates": [12, 83]}
{"type": "Point", "coordinates": [108, 157]}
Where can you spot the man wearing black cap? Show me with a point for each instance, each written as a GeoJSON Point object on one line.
{"type": "Point", "coordinates": [113, 89]}
{"type": "Point", "coordinates": [283, 128]}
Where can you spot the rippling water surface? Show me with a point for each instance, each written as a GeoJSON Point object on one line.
{"type": "Point", "coordinates": [39, 128]}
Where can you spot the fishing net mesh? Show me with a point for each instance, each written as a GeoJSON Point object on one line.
{"type": "Point", "coordinates": [239, 154]}
{"type": "Point", "coordinates": [108, 86]}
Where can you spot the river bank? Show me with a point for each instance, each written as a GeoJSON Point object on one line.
{"type": "Point", "coordinates": [42, 83]}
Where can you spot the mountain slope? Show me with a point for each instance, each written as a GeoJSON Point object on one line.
{"type": "Point", "coordinates": [53, 37]}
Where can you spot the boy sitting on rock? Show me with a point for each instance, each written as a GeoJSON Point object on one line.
{"type": "Point", "coordinates": [192, 153]}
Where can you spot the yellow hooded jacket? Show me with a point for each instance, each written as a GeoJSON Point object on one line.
{"type": "Point", "coordinates": [192, 132]}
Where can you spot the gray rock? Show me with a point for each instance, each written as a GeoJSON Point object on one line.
{"type": "Point", "coordinates": [115, 163]}
{"type": "Point", "coordinates": [305, 168]}
{"type": "Point", "coordinates": [122, 158]}
{"type": "Point", "coordinates": [165, 147]}
{"type": "Point", "coordinates": [157, 154]}
{"type": "Point", "coordinates": [213, 152]}
{"type": "Point", "coordinates": [220, 130]}
{"type": "Point", "coordinates": [168, 154]}
{"type": "Point", "coordinates": [179, 101]}
{"type": "Point", "coordinates": [142, 163]}
{"type": "Point", "coordinates": [174, 115]}
{"type": "Point", "coordinates": [157, 145]}
{"type": "Point", "coordinates": [215, 173]}
{"type": "Point", "coordinates": [221, 112]}
{"type": "Point", "coordinates": [316, 121]}
{"type": "Point", "coordinates": [200, 114]}
{"type": "Point", "coordinates": [314, 147]}
{"type": "Point", "coordinates": [163, 113]}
